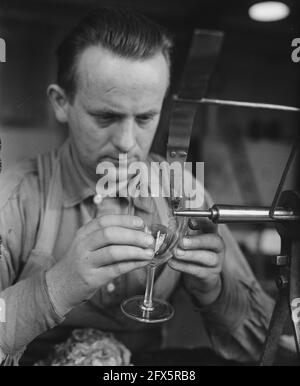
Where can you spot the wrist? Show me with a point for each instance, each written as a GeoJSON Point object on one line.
{"type": "Point", "coordinates": [205, 293]}
{"type": "Point", "coordinates": [56, 292]}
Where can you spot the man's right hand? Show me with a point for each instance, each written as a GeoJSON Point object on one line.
{"type": "Point", "coordinates": [102, 250]}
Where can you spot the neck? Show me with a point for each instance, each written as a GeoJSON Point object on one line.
{"type": "Point", "coordinates": [90, 179]}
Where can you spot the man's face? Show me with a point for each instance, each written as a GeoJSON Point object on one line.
{"type": "Point", "coordinates": [116, 107]}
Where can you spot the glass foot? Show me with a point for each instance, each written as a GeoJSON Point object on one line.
{"type": "Point", "coordinates": [134, 308]}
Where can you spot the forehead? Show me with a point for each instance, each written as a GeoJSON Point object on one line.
{"type": "Point", "coordinates": [100, 72]}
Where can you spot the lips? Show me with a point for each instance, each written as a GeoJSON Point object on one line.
{"type": "Point", "coordinates": [116, 161]}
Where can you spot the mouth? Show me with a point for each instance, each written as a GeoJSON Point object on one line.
{"type": "Point", "coordinates": [119, 162]}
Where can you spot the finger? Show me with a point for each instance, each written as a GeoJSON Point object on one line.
{"type": "Point", "coordinates": [119, 253]}
{"type": "Point", "coordinates": [191, 269]}
{"type": "Point", "coordinates": [203, 273]}
{"type": "Point", "coordinates": [115, 270]}
{"type": "Point", "coordinates": [115, 235]}
{"type": "Point", "coordinates": [107, 220]}
{"type": "Point", "coordinates": [200, 257]}
{"type": "Point", "coordinates": [208, 241]}
{"type": "Point", "coordinates": [203, 224]}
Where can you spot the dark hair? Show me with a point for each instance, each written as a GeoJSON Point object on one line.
{"type": "Point", "coordinates": [122, 31]}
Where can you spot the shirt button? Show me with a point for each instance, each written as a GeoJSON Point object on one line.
{"type": "Point", "coordinates": [98, 199]}
{"type": "Point", "coordinates": [110, 287]}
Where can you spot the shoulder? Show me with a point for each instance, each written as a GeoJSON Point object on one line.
{"type": "Point", "coordinates": [12, 180]}
{"type": "Point", "coordinates": [23, 180]}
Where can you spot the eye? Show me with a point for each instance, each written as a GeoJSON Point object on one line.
{"type": "Point", "coordinates": [106, 119]}
{"type": "Point", "coordinates": [145, 118]}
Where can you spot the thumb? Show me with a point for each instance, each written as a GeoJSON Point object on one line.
{"type": "Point", "coordinates": [202, 224]}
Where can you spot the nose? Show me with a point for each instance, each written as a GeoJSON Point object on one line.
{"type": "Point", "coordinates": [124, 136]}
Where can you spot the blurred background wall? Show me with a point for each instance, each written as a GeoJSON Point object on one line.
{"type": "Point", "coordinates": [244, 150]}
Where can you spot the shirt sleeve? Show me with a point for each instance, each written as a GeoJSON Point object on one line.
{"type": "Point", "coordinates": [26, 309]}
{"type": "Point", "coordinates": [238, 320]}
{"type": "Point", "coordinates": [29, 312]}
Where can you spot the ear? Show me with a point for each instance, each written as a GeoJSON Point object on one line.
{"type": "Point", "coordinates": [59, 101]}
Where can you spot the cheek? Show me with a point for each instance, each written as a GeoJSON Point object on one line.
{"type": "Point", "coordinates": [87, 135]}
{"type": "Point", "coordinates": [144, 138]}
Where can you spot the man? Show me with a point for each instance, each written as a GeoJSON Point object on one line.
{"type": "Point", "coordinates": [68, 262]}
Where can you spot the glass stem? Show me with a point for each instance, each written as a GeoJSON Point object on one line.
{"type": "Point", "coordinates": [147, 304]}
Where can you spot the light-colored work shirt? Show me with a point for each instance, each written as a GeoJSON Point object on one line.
{"type": "Point", "coordinates": [43, 202]}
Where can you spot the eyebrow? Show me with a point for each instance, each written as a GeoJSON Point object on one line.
{"type": "Point", "coordinates": [104, 111]}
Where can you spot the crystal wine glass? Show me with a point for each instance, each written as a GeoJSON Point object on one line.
{"type": "Point", "coordinates": [146, 308]}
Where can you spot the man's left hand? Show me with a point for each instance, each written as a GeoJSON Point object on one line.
{"type": "Point", "coordinates": [201, 257]}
